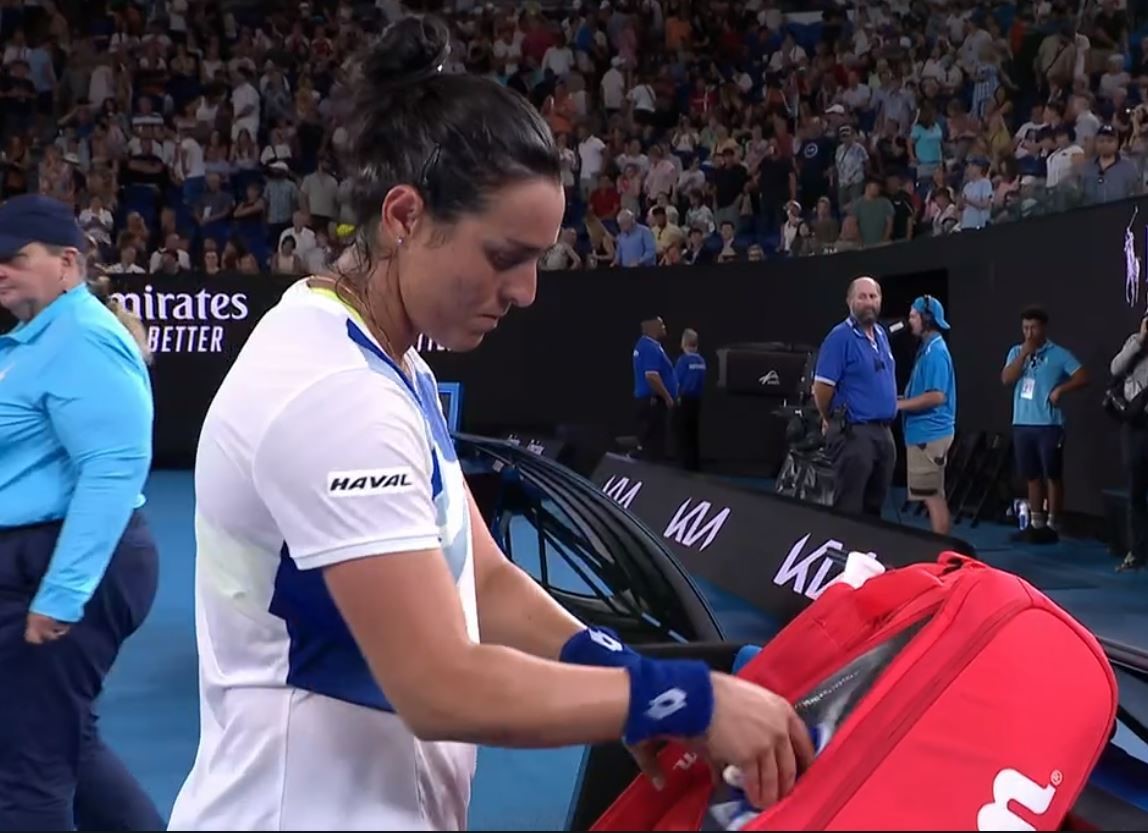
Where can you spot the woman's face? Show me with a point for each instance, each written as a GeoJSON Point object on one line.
{"type": "Point", "coordinates": [456, 290]}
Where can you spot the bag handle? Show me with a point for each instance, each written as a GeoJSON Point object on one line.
{"type": "Point", "coordinates": [879, 596]}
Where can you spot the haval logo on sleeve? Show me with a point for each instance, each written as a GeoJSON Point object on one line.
{"type": "Point", "coordinates": [810, 574]}
{"type": "Point", "coordinates": [370, 482]}
{"type": "Point", "coordinates": [1012, 791]}
{"type": "Point", "coordinates": [622, 490]}
{"type": "Point", "coordinates": [688, 526]}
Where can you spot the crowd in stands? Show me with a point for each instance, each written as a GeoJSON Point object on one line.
{"type": "Point", "coordinates": [206, 135]}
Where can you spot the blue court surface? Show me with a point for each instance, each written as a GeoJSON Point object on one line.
{"type": "Point", "coordinates": [149, 712]}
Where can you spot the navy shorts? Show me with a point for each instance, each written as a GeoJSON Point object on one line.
{"type": "Point", "coordinates": [1039, 451]}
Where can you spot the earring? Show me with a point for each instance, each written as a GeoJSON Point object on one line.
{"type": "Point", "coordinates": [400, 241]}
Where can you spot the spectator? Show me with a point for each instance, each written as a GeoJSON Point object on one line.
{"type": "Point", "coordinates": [175, 250]}
{"type": "Point", "coordinates": [730, 251]}
{"type": "Point", "coordinates": [127, 264]}
{"type": "Point", "coordinates": [1109, 175]}
{"type": "Point", "coordinates": [303, 237]}
{"type": "Point", "coordinates": [562, 255]}
{"type": "Point", "coordinates": [286, 260]}
{"type": "Point", "coordinates": [851, 163]}
{"type": "Point", "coordinates": [875, 214]}
{"type": "Point", "coordinates": [976, 196]}
{"type": "Point", "coordinates": [708, 116]}
{"type": "Point", "coordinates": [635, 244]}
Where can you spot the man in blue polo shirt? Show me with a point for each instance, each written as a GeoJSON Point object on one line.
{"type": "Point", "coordinates": [855, 389]}
{"type": "Point", "coordinates": [690, 373]}
{"type": "Point", "coordinates": [1040, 374]}
{"type": "Point", "coordinates": [78, 566]}
{"type": "Point", "coordinates": [655, 389]}
{"type": "Point", "coordinates": [930, 411]}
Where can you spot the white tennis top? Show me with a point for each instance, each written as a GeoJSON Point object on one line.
{"type": "Point", "coordinates": [316, 450]}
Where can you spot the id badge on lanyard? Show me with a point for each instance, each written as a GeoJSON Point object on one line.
{"type": "Point", "coordinates": [1027, 387]}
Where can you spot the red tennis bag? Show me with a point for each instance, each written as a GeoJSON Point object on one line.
{"type": "Point", "coordinates": [990, 716]}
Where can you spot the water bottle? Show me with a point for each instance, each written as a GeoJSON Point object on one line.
{"type": "Point", "coordinates": [1022, 515]}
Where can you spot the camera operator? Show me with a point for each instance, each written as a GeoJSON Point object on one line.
{"type": "Point", "coordinates": [1127, 400]}
{"type": "Point", "coordinates": [855, 388]}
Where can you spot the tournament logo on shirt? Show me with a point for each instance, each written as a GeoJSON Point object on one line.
{"type": "Point", "coordinates": [186, 322]}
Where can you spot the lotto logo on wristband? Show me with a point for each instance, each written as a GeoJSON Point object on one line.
{"type": "Point", "coordinates": [604, 640]}
{"type": "Point", "coordinates": [668, 702]}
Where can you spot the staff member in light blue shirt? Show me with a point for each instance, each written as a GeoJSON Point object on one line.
{"type": "Point", "coordinates": [855, 389]}
{"type": "Point", "coordinates": [930, 411]}
{"type": "Point", "coordinates": [655, 389]}
{"type": "Point", "coordinates": [690, 373]}
{"type": "Point", "coordinates": [1040, 373]}
{"type": "Point", "coordinates": [78, 566]}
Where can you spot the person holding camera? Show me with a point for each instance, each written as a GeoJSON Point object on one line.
{"type": "Point", "coordinates": [1127, 400]}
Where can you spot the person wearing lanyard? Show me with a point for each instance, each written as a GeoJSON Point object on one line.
{"type": "Point", "coordinates": [359, 630]}
{"type": "Point", "coordinates": [930, 412]}
{"type": "Point", "coordinates": [655, 389]}
{"type": "Point", "coordinates": [855, 389]}
{"type": "Point", "coordinates": [690, 375]}
{"type": "Point", "coordinates": [78, 566]}
{"type": "Point", "coordinates": [1040, 373]}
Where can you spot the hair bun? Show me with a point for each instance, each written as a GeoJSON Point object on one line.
{"type": "Point", "coordinates": [410, 50]}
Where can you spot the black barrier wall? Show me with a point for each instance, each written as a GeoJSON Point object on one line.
{"type": "Point", "coordinates": [567, 360]}
{"type": "Point", "coordinates": [774, 552]}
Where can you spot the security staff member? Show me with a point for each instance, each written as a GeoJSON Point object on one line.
{"type": "Point", "coordinates": [78, 566]}
{"type": "Point", "coordinates": [1040, 373]}
{"type": "Point", "coordinates": [930, 412]}
{"type": "Point", "coordinates": [655, 389]}
{"type": "Point", "coordinates": [855, 389]}
{"type": "Point", "coordinates": [690, 373]}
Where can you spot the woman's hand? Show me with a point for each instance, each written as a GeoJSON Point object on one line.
{"type": "Point", "coordinates": [758, 732]}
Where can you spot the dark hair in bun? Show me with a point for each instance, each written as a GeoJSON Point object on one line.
{"type": "Point", "coordinates": [457, 138]}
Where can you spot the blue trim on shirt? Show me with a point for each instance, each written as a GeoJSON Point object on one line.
{"type": "Point", "coordinates": [76, 416]}
{"type": "Point", "coordinates": [323, 655]}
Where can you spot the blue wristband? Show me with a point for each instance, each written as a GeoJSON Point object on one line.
{"type": "Point", "coordinates": [668, 698]}
{"type": "Point", "coordinates": [597, 646]}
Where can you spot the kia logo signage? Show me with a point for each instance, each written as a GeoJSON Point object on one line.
{"type": "Point", "coordinates": [775, 552]}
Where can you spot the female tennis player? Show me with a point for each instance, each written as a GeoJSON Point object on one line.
{"type": "Point", "coordinates": [359, 630]}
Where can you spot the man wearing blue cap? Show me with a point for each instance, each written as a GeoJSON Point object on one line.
{"type": "Point", "coordinates": [78, 566]}
{"type": "Point", "coordinates": [930, 411]}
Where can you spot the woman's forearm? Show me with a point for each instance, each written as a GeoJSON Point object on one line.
{"type": "Point", "coordinates": [498, 696]}
{"type": "Point", "coordinates": [513, 610]}
{"type": "Point", "coordinates": [516, 612]}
